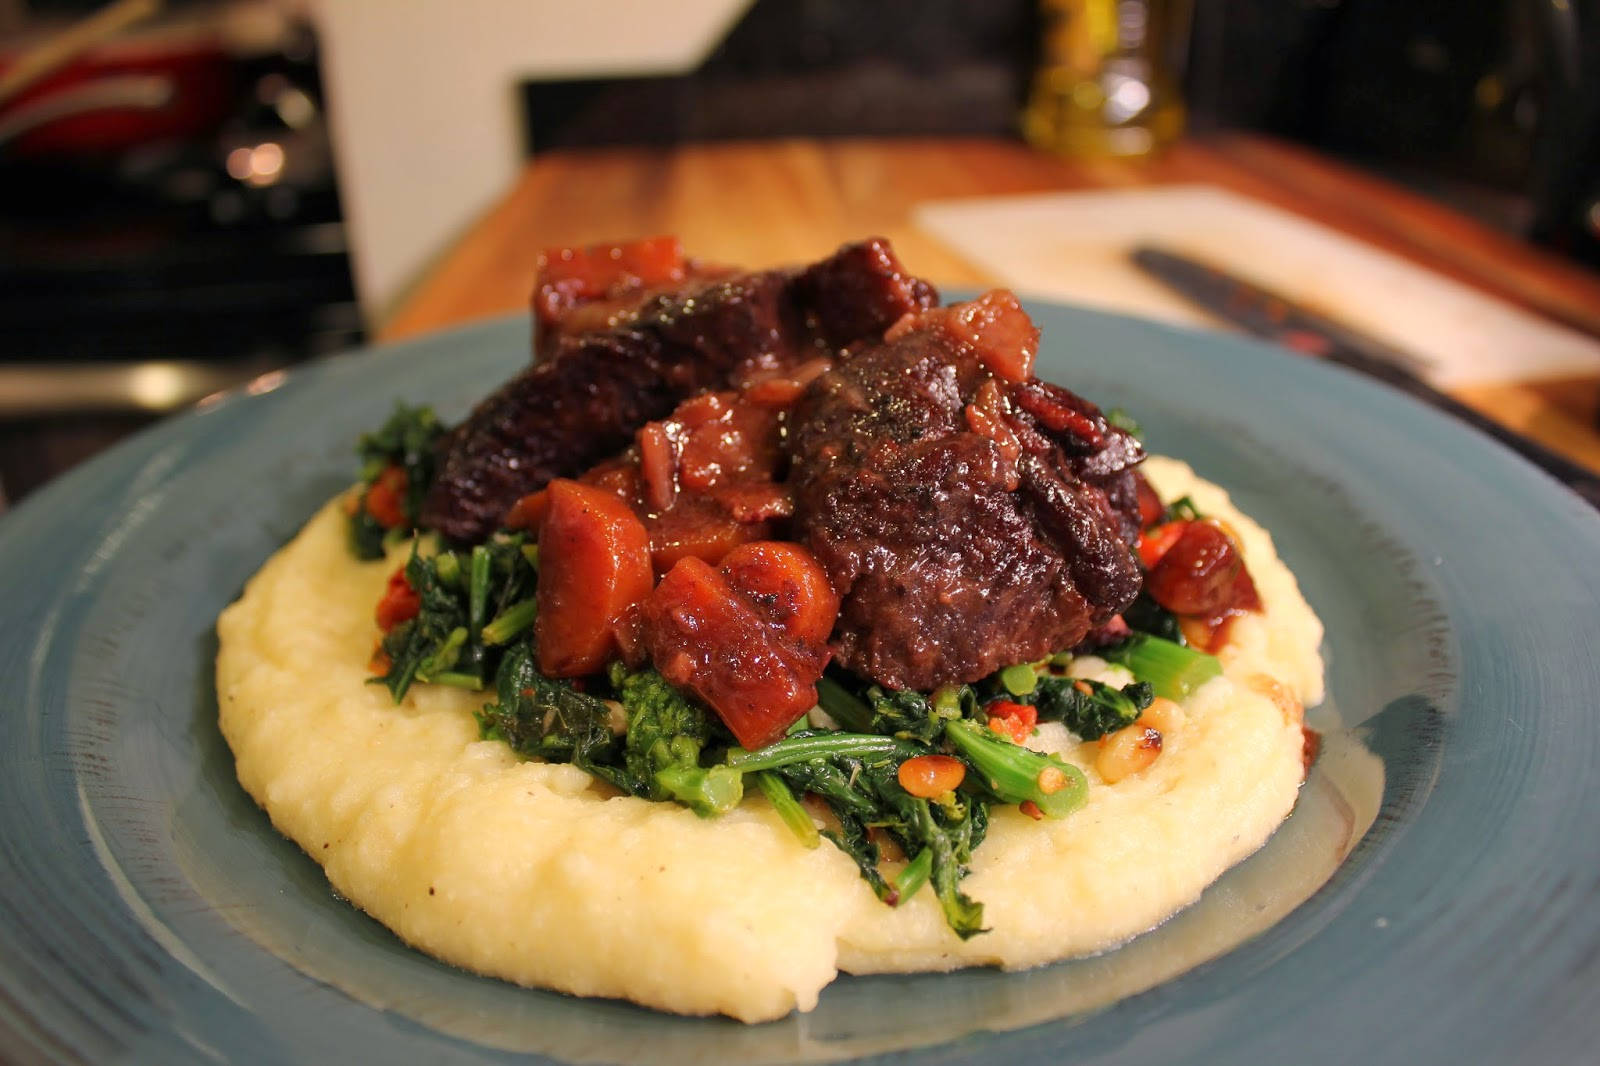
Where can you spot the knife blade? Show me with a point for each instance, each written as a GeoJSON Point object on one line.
{"type": "Point", "coordinates": [1274, 317]}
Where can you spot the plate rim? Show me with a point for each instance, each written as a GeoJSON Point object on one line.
{"type": "Point", "coordinates": [43, 507]}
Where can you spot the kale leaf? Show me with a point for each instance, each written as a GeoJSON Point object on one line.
{"type": "Point", "coordinates": [1182, 510]}
{"type": "Point", "coordinates": [469, 612]}
{"type": "Point", "coordinates": [647, 741]}
{"type": "Point", "coordinates": [407, 442]}
{"type": "Point", "coordinates": [888, 712]}
{"type": "Point", "coordinates": [1088, 708]}
{"type": "Point", "coordinates": [1145, 615]}
{"type": "Point", "coordinates": [549, 719]}
{"type": "Point", "coordinates": [858, 780]}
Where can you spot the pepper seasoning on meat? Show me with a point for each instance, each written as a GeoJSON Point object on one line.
{"type": "Point", "coordinates": [969, 516]}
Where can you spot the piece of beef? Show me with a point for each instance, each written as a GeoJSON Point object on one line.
{"type": "Point", "coordinates": [959, 507]}
{"type": "Point", "coordinates": [602, 286]}
{"type": "Point", "coordinates": [582, 401]}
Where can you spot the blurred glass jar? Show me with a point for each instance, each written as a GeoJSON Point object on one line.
{"type": "Point", "coordinates": [1107, 80]}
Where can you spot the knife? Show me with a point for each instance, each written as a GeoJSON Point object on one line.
{"type": "Point", "coordinates": [1277, 318]}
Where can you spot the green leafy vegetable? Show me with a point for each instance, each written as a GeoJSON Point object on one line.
{"type": "Point", "coordinates": [1125, 422]}
{"type": "Point", "coordinates": [636, 732]}
{"type": "Point", "coordinates": [1014, 774]}
{"type": "Point", "coordinates": [647, 741]}
{"type": "Point", "coordinates": [366, 537]}
{"type": "Point", "coordinates": [665, 736]}
{"type": "Point", "coordinates": [546, 719]}
{"type": "Point", "coordinates": [1090, 709]}
{"type": "Point", "coordinates": [788, 807]}
{"type": "Point", "coordinates": [407, 441]}
{"type": "Point", "coordinates": [1172, 670]}
{"type": "Point", "coordinates": [415, 646]}
{"type": "Point", "coordinates": [856, 775]}
{"type": "Point", "coordinates": [1182, 510]}
{"type": "Point", "coordinates": [467, 615]}
{"type": "Point", "coordinates": [1145, 615]}
{"type": "Point", "coordinates": [889, 712]}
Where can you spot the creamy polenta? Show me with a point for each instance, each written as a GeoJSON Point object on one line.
{"type": "Point", "coordinates": [539, 874]}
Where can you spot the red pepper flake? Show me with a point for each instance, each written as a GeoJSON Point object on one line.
{"type": "Point", "coordinates": [400, 602]}
{"type": "Point", "coordinates": [1155, 542]}
{"type": "Point", "coordinates": [1031, 809]}
{"type": "Point", "coordinates": [386, 498]}
{"type": "Point", "coordinates": [1014, 721]}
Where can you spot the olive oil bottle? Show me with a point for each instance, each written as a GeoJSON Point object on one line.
{"type": "Point", "coordinates": [1107, 80]}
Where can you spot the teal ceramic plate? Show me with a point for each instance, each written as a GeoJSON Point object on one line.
{"type": "Point", "coordinates": [148, 913]}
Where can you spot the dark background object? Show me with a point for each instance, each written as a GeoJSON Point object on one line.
{"type": "Point", "coordinates": [1491, 107]}
{"type": "Point", "coordinates": [187, 249]}
{"type": "Point", "coordinates": [813, 68]}
{"type": "Point", "coordinates": [216, 241]}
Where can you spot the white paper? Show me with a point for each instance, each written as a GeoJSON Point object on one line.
{"type": "Point", "coordinates": [1073, 247]}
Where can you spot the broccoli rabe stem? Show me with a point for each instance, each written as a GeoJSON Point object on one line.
{"type": "Point", "coordinates": [511, 621]}
{"type": "Point", "coordinates": [1016, 774]}
{"type": "Point", "coordinates": [448, 566]}
{"type": "Point", "coordinates": [452, 679]}
{"type": "Point", "coordinates": [1172, 670]}
{"type": "Point", "coordinates": [844, 706]}
{"type": "Point", "coordinates": [963, 914]}
{"type": "Point", "coordinates": [478, 589]}
{"type": "Point", "coordinates": [911, 879]}
{"type": "Point", "coordinates": [809, 747]}
{"type": "Point", "coordinates": [789, 808]}
{"type": "Point", "coordinates": [442, 660]}
{"type": "Point", "coordinates": [707, 792]}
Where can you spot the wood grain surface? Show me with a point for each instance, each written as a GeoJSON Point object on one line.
{"type": "Point", "coordinates": [764, 202]}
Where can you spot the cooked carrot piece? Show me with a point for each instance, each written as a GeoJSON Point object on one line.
{"type": "Point", "coordinates": [787, 585]}
{"type": "Point", "coordinates": [1197, 572]}
{"type": "Point", "coordinates": [386, 498]}
{"type": "Point", "coordinates": [594, 271]}
{"type": "Point", "coordinates": [704, 636]}
{"type": "Point", "coordinates": [1156, 541]}
{"type": "Point", "coordinates": [527, 512]}
{"type": "Point", "coordinates": [594, 564]}
{"type": "Point", "coordinates": [750, 639]}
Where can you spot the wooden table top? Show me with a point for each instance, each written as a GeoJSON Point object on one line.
{"type": "Point", "coordinates": [792, 200]}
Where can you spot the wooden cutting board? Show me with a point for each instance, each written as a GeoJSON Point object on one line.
{"type": "Point", "coordinates": [1073, 247]}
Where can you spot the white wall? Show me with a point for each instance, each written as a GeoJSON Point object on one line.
{"type": "Point", "coordinates": [422, 96]}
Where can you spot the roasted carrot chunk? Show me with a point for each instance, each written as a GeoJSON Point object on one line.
{"type": "Point", "coordinates": [594, 271]}
{"type": "Point", "coordinates": [786, 584]}
{"type": "Point", "coordinates": [594, 564]}
{"type": "Point", "coordinates": [528, 512]}
{"type": "Point", "coordinates": [748, 639]}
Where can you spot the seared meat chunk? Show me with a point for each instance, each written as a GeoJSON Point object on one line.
{"type": "Point", "coordinates": [590, 391]}
{"type": "Point", "coordinates": [959, 507]}
{"type": "Point", "coordinates": [581, 290]}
